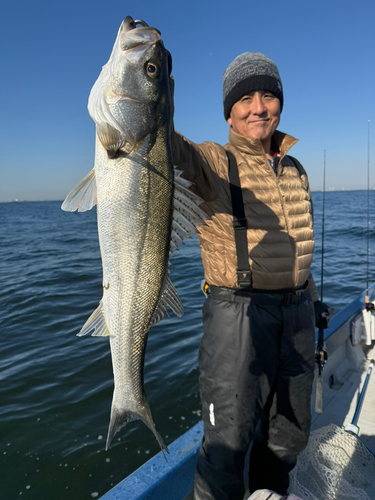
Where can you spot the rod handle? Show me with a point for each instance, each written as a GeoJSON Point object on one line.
{"type": "Point", "coordinates": [319, 395]}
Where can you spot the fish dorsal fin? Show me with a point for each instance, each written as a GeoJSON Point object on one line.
{"type": "Point", "coordinates": [111, 139]}
{"type": "Point", "coordinates": [168, 298]}
{"type": "Point", "coordinates": [97, 323]}
{"type": "Point", "coordinates": [187, 215]}
{"type": "Point", "coordinates": [83, 196]}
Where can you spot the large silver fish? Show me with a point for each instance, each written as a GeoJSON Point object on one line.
{"type": "Point", "coordinates": [144, 210]}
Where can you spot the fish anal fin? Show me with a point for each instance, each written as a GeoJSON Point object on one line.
{"type": "Point", "coordinates": [97, 323]}
{"type": "Point", "coordinates": [83, 196]}
{"type": "Point", "coordinates": [168, 298]}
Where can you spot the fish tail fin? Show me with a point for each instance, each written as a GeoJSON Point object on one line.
{"type": "Point", "coordinates": [120, 417]}
{"type": "Point", "coordinates": [147, 419]}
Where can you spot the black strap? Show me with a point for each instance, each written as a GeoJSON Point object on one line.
{"type": "Point", "coordinates": [246, 296]}
{"type": "Point", "coordinates": [239, 224]}
{"type": "Point", "coordinates": [296, 164]}
{"type": "Point", "coordinates": [301, 172]}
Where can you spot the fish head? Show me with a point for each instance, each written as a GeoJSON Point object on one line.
{"type": "Point", "coordinates": [132, 94]}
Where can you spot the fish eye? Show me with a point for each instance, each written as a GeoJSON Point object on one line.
{"type": "Point", "coordinates": [152, 70]}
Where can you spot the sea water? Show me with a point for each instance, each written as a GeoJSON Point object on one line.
{"type": "Point", "coordinates": [56, 388]}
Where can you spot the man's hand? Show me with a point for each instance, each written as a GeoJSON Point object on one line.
{"type": "Point", "coordinates": [171, 90]}
{"type": "Point", "coordinates": [323, 314]}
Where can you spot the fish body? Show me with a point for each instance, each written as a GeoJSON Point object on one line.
{"type": "Point", "coordinates": [135, 205]}
{"type": "Point", "coordinates": [140, 211]}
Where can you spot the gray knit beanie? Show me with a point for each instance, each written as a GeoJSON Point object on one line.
{"type": "Point", "coordinates": [248, 72]}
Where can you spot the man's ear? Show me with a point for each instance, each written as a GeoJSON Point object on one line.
{"type": "Point", "coordinates": [229, 121]}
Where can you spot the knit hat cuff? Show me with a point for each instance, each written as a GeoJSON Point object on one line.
{"type": "Point", "coordinates": [250, 84]}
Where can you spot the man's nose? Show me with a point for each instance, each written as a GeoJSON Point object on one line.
{"type": "Point", "coordinates": [258, 104]}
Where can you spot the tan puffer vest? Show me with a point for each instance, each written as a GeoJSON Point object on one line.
{"type": "Point", "coordinates": [277, 208]}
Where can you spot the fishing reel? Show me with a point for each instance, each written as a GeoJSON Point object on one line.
{"type": "Point", "coordinates": [369, 305]}
{"type": "Point", "coordinates": [321, 355]}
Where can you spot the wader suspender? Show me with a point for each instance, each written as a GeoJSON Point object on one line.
{"type": "Point", "coordinates": [301, 172]}
{"type": "Point", "coordinates": [239, 224]}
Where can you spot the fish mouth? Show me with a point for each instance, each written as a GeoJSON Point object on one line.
{"type": "Point", "coordinates": [133, 36]}
{"type": "Point", "coordinates": [115, 97]}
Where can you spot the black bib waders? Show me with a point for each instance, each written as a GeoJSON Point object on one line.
{"type": "Point", "coordinates": [256, 362]}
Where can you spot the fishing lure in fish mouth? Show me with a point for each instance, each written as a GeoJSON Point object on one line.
{"type": "Point", "coordinates": [130, 24]}
{"type": "Point", "coordinates": [145, 210]}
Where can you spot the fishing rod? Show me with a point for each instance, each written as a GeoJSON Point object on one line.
{"type": "Point", "coordinates": [321, 356]}
{"type": "Point", "coordinates": [369, 305]}
{"type": "Point", "coordinates": [324, 199]}
{"type": "Point", "coordinates": [353, 428]}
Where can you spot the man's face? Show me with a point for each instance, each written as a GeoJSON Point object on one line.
{"type": "Point", "coordinates": [256, 115]}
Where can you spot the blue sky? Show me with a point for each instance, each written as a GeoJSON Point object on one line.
{"type": "Point", "coordinates": [52, 52]}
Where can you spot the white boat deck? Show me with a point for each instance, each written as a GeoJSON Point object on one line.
{"type": "Point", "coordinates": [340, 400]}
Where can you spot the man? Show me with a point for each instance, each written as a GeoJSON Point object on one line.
{"type": "Point", "coordinates": [256, 357]}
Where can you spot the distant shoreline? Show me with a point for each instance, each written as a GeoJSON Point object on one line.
{"type": "Point", "coordinates": [315, 191]}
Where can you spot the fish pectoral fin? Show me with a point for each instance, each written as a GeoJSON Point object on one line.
{"type": "Point", "coordinates": [168, 298]}
{"type": "Point", "coordinates": [97, 323]}
{"type": "Point", "coordinates": [111, 139]}
{"type": "Point", "coordinates": [83, 196]}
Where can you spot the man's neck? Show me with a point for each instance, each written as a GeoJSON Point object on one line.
{"type": "Point", "coordinates": [266, 143]}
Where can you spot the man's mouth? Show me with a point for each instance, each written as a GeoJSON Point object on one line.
{"type": "Point", "coordinates": [261, 120]}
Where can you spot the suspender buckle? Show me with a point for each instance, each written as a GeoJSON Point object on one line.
{"type": "Point", "coordinates": [239, 223]}
{"type": "Point", "coordinates": [244, 278]}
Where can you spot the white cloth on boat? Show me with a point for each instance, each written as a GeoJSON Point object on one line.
{"type": "Point", "coordinates": [271, 495]}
